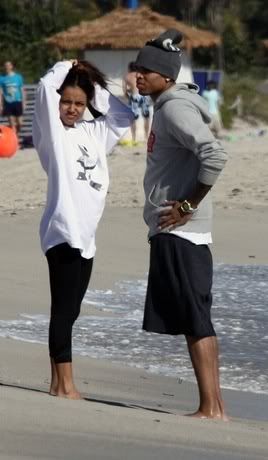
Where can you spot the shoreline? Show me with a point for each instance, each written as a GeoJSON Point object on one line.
{"type": "Point", "coordinates": [26, 272]}
{"type": "Point", "coordinates": [99, 378]}
{"type": "Point", "coordinates": [122, 252]}
{"type": "Point", "coordinates": [123, 364]}
{"type": "Point", "coordinates": [126, 413]}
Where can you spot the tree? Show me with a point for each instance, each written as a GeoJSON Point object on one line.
{"type": "Point", "coordinates": [25, 23]}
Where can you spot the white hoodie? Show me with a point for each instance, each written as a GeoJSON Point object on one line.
{"type": "Point", "coordinates": [75, 162]}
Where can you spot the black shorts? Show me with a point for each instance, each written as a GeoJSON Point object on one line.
{"type": "Point", "coordinates": [12, 109]}
{"type": "Point", "coordinates": [179, 298]}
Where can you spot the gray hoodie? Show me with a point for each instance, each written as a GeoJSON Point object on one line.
{"type": "Point", "coordinates": [181, 151]}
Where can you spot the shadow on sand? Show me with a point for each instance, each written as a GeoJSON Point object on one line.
{"type": "Point", "coordinates": [107, 402]}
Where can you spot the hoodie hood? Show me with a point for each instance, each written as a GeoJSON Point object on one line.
{"type": "Point", "coordinates": [185, 92]}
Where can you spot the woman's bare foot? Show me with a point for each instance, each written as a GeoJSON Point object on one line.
{"type": "Point", "coordinates": [53, 391]}
{"type": "Point", "coordinates": [72, 394]}
{"type": "Point", "coordinates": [62, 384]}
{"type": "Point", "coordinates": [54, 378]}
{"type": "Point", "coordinates": [212, 416]}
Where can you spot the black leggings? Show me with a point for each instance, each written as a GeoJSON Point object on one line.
{"type": "Point", "coordinates": [69, 275]}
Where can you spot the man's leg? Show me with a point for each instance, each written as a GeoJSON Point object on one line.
{"type": "Point", "coordinates": [146, 127]}
{"type": "Point", "coordinates": [19, 122]}
{"type": "Point", "coordinates": [12, 122]}
{"type": "Point", "coordinates": [134, 131]}
{"type": "Point", "coordinates": [204, 357]}
{"type": "Point", "coordinates": [145, 110]}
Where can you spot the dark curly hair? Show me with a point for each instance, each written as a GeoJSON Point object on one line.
{"type": "Point", "coordinates": [84, 75]}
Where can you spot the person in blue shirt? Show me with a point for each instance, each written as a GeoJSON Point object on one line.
{"type": "Point", "coordinates": [214, 100]}
{"type": "Point", "coordinates": [140, 105]}
{"type": "Point", "coordinates": [12, 96]}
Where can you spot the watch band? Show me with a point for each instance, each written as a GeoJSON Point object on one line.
{"type": "Point", "coordinates": [187, 208]}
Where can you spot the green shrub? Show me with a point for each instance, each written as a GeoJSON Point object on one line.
{"type": "Point", "coordinates": [255, 104]}
{"type": "Point", "coordinates": [227, 116]}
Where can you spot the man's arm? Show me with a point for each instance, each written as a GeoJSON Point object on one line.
{"type": "Point", "coordinates": [174, 214]}
{"type": "Point", "coordinates": [185, 123]}
{"type": "Point", "coordinates": [193, 133]}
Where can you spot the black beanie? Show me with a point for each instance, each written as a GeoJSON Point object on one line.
{"type": "Point", "coordinates": [161, 54]}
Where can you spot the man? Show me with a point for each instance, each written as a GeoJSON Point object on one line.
{"type": "Point", "coordinates": [184, 160]}
{"type": "Point", "coordinates": [213, 98]}
{"type": "Point", "coordinates": [12, 96]}
{"type": "Point", "coordinates": [138, 104]}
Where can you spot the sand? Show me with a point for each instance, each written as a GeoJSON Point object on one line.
{"type": "Point", "coordinates": [128, 413]}
{"type": "Point", "coordinates": [242, 185]}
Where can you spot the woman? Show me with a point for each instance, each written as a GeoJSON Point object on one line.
{"type": "Point", "coordinates": [73, 153]}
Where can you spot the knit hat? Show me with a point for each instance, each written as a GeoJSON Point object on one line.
{"type": "Point", "coordinates": [161, 54]}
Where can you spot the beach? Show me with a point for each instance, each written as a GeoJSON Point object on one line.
{"type": "Point", "coordinates": [127, 412]}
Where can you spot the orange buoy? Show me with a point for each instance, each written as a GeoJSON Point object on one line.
{"type": "Point", "coordinates": [8, 142]}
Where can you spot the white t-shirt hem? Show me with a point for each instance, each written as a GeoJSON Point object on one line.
{"type": "Point", "coordinates": [196, 238]}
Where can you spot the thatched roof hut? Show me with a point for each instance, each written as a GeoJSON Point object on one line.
{"type": "Point", "coordinates": [128, 29]}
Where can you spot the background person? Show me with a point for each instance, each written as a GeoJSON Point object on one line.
{"type": "Point", "coordinates": [214, 100]}
{"type": "Point", "coordinates": [12, 97]}
{"type": "Point", "coordinates": [183, 163]}
{"type": "Point", "coordinates": [140, 105]}
{"type": "Point", "coordinates": [73, 153]}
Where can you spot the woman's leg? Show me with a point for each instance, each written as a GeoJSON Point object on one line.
{"type": "Point", "coordinates": [67, 273]}
{"type": "Point", "coordinates": [64, 371]}
{"type": "Point", "coordinates": [54, 378]}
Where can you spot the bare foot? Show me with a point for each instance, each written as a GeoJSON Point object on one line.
{"type": "Point", "coordinates": [212, 416]}
{"type": "Point", "coordinates": [73, 394]}
{"type": "Point", "coordinates": [52, 392]}
{"type": "Point", "coordinates": [53, 388]}
{"type": "Point", "coordinates": [54, 378]}
{"type": "Point", "coordinates": [62, 384]}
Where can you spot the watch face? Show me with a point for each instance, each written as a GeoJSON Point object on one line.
{"type": "Point", "coordinates": [186, 206]}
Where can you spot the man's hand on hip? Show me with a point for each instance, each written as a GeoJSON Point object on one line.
{"type": "Point", "coordinates": [172, 216]}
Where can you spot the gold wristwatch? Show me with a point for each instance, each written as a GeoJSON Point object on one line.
{"type": "Point", "coordinates": [187, 208]}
